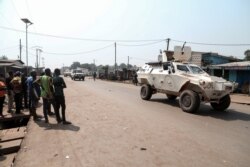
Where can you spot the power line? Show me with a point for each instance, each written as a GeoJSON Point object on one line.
{"type": "Point", "coordinates": [13, 4]}
{"type": "Point", "coordinates": [82, 39]}
{"type": "Point", "coordinates": [28, 9]}
{"type": "Point", "coordinates": [7, 20]}
{"type": "Point", "coordinates": [211, 44]}
{"type": "Point", "coordinates": [139, 59]}
{"type": "Point", "coordinates": [11, 47]}
{"type": "Point", "coordinates": [83, 52]}
{"type": "Point", "coordinates": [111, 40]}
{"type": "Point", "coordinates": [146, 44]}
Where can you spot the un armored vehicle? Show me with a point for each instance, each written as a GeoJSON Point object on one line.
{"type": "Point", "coordinates": [188, 82]}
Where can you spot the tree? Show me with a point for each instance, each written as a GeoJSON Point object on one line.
{"type": "Point", "coordinates": [86, 65]}
{"type": "Point", "coordinates": [75, 65]}
{"type": "Point", "coordinates": [247, 55]}
{"type": "Point", "coordinates": [3, 57]}
{"type": "Point", "coordinates": [123, 65]}
{"type": "Point", "coordinates": [92, 67]}
{"type": "Point", "coordinates": [130, 66]}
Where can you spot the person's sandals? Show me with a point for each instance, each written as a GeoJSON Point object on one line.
{"type": "Point", "coordinates": [66, 122]}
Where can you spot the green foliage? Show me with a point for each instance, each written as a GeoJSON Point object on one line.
{"type": "Point", "coordinates": [93, 67]}
{"type": "Point", "coordinates": [247, 55]}
{"type": "Point", "coordinates": [75, 65]}
{"type": "Point", "coordinates": [3, 57]}
{"type": "Point", "coordinates": [123, 65]}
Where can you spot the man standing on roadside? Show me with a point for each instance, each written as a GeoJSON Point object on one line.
{"type": "Point", "coordinates": [24, 92]}
{"type": "Point", "coordinates": [59, 85]}
{"type": "Point", "coordinates": [94, 75]}
{"type": "Point", "coordinates": [10, 92]}
{"type": "Point", "coordinates": [46, 93]}
{"type": "Point", "coordinates": [33, 94]}
{"type": "Point", "coordinates": [16, 83]}
{"type": "Point", "coordinates": [3, 89]}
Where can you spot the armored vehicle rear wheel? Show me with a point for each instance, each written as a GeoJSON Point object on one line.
{"type": "Point", "coordinates": [146, 92]}
{"type": "Point", "coordinates": [171, 97]}
{"type": "Point", "coordinates": [189, 101]}
{"type": "Point", "coordinates": [223, 104]}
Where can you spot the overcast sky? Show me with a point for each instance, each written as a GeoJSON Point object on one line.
{"type": "Point", "coordinates": [94, 25]}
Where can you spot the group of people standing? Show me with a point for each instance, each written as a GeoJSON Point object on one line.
{"type": "Point", "coordinates": [15, 87]}
{"type": "Point", "coordinates": [31, 89]}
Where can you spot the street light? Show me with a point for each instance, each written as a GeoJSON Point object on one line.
{"type": "Point", "coordinates": [28, 23]}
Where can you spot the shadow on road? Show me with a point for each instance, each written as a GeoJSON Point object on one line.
{"type": "Point", "coordinates": [228, 115]}
{"type": "Point", "coordinates": [2, 157]}
{"type": "Point", "coordinates": [174, 103]}
{"type": "Point", "coordinates": [207, 110]}
{"type": "Point", "coordinates": [58, 126]}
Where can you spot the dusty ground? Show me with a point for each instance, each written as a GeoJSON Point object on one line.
{"type": "Point", "coordinates": [113, 127]}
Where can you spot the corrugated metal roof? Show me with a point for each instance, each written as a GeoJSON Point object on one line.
{"type": "Point", "coordinates": [20, 67]}
{"type": "Point", "coordinates": [11, 63]}
{"type": "Point", "coordinates": [244, 65]}
{"type": "Point", "coordinates": [234, 64]}
{"type": "Point", "coordinates": [6, 64]}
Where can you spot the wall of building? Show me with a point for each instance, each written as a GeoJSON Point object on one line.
{"type": "Point", "coordinates": [213, 59]}
{"type": "Point", "coordinates": [196, 58]}
{"type": "Point", "coordinates": [243, 79]}
{"type": "Point", "coordinates": [232, 75]}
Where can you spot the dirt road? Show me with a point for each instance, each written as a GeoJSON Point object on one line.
{"type": "Point", "coordinates": [113, 127]}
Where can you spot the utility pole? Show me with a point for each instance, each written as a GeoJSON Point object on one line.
{"type": "Point", "coordinates": [36, 60]}
{"type": "Point", "coordinates": [128, 62]}
{"type": "Point", "coordinates": [115, 57]}
{"type": "Point", "coordinates": [38, 55]}
{"type": "Point", "coordinates": [128, 68]}
{"type": "Point", "coordinates": [94, 64]}
{"type": "Point", "coordinates": [43, 62]}
{"type": "Point", "coordinates": [39, 59]}
{"type": "Point", "coordinates": [20, 49]}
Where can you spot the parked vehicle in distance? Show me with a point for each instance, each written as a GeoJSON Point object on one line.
{"type": "Point", "coordinates": [67, 74]}
{"type": "Point", "coordinates": [188, 82]}
{"type": "Point", "coordinates": [77, 74]}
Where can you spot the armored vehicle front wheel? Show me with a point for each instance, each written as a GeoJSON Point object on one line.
{"type": "Point", "coordinates": [223, 104]}
{"type": "Point", "coordinates": [171, 97]}
{"type": "Point", "coordinates": [189, 101]}
{"type": "Point", "coordinates": [146, 92]}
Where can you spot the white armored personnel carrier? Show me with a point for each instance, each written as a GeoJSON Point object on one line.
{"type": "Point", "coordinates": [187, 81]}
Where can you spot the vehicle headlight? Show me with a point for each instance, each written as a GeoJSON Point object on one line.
{"type": "Point", "coordinates": [202, 82]}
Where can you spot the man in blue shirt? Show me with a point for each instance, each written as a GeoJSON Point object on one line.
{"type": "Point", "coordinates": [33, 94]}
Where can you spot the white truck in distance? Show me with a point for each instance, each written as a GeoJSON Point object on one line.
{"type": "Point", "coordinates": [77, 74]}
{"type": "Point", "coordinates": [187, 81]}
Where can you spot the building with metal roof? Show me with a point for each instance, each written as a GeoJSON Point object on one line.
{"type": "Point", "coordinates": [236, 72]}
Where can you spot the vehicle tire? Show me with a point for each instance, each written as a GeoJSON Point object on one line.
{"type": "Point", "coordinates": [146, 92]}
{"type": "Point", "coordinates": [223, 104]}
{"type": "Point", "coordinates": [189, 101]}
{"type": "Point", "coordinates": [171, 97]}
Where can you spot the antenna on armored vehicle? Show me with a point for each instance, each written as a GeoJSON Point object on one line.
{"type": "Point", "coordinates": [182, 49]}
